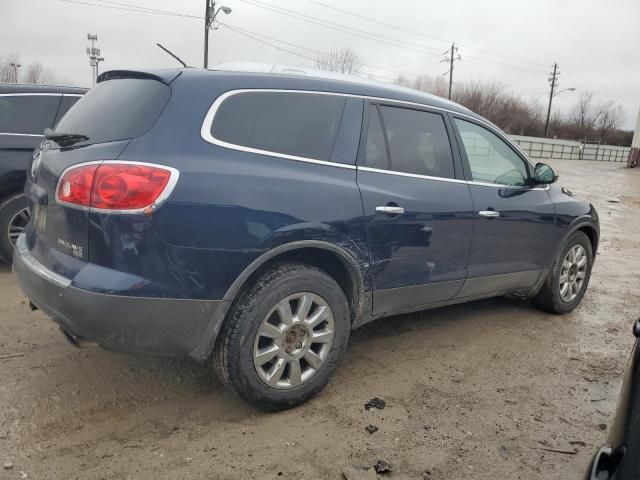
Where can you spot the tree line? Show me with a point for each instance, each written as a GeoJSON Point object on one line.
{"type": "Point", "coordinates": [587, 120]}
{"type": "Point", "coordinates": [34, 72]}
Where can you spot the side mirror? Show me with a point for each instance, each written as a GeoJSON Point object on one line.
{"type": "Point", "coordinates": [544, 174]}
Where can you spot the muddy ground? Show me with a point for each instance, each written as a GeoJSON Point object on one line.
{"type": "Point", "coordinates": [482, 390]}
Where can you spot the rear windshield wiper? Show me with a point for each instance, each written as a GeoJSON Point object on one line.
{"type": "Point", "coordinates": [64, 139]}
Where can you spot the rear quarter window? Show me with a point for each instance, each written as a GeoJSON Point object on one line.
{"type": "Point", "coordinates": [27, 114]}
{"type": "Point", "coordinates": [118, 109]}
{"type": "Point", "coordinates": [289, 123]}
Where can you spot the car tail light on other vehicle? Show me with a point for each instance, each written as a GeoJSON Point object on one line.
{"type": "Point", "coordinates": [116, 186]}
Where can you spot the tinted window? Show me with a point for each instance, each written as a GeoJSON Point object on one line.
{"type": "Point", "coordinates": [27, 113]}
{"type": "Point", "coordinates": [65, 104]}
{"type": "Point", "coordinates": [418, 142]}
{"type": "Point", "coordinates": [375, 148]}
{"type": "Point", "coordinates": [490, 158]}
{"type": "Point", "coordinates": [299, 124]}
{"type": "Point", "coordinates": [116, 110]}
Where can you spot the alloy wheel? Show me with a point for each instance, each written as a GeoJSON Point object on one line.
{"type": "Point", "coordinates": [573, 273]}
{"type": "Point", "coordinates": [293, 341]}
{"type": "Point", "coordinates": [17, 224]}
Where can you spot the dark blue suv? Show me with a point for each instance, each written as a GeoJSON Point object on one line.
{"type": "Point", "coordinates": [252, 220]}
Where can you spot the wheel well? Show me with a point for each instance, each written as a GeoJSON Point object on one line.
{"type": "Point", "coordinates": [331, 263]}
{"type": "Point", "coordinates": [593, 238]}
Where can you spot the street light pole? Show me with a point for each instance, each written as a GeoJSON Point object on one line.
{"type": "Point", "coordinates": [15, 67]}
{"type": "Point", "coordinates": [210, 15]}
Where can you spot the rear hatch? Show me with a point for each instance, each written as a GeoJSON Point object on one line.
{"type": "Point", "coordinates": [96, 129]}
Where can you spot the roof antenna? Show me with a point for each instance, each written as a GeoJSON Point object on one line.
{"type": "Point", "coordinates": [173, 55]}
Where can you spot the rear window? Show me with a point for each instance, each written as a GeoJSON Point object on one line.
{"type": "Point", "coordinates": [116, 110]}
{"type": "Point", "coordinates": [298, 124]}
{"type": "Point", "coordinates": [27, 114]}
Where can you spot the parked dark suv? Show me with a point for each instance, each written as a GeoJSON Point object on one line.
{"type": "Point", "coordinates": [252, 220]}
{"type": "Point", "coordinates": [25, 111]}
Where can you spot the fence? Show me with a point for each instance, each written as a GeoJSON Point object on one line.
{"type": "Point", "coordinates": [545, 148]}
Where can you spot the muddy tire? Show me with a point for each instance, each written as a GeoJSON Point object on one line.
{"type": "Point", "coordinates": [284, 337]}
{"type": "Point", "coordinates": [13, 218]}
{"type": "Point", "coordinates": [569, 277]}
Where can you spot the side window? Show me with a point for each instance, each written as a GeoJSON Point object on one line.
{"type": "Point", "coordinates": [66, 103]}
{"type": "Point", "coordinates": [376, 147]}
{"type": "Point", "coordinates": [418, 142]}
{"type": "Point", "coordinates": [29, 114]}
{"type": "Point", "coordinates": [490, 158]}
{"type": "Point", "coordinates": [299, 124]}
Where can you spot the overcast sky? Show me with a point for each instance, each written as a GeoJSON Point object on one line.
{"type": "Point", "coordinates": [595, 42]}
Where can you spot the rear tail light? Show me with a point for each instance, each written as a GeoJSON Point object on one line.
{"type": "Point", "coordinates": [116, 186]}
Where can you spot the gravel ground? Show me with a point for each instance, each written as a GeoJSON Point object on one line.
{"type": "Point", "coordinates": [482, 390]}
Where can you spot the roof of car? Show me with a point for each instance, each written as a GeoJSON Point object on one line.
{"type": "Point", "coordinates": [6, 88]}
{"type": "Point", "coordinates": [254, 75]}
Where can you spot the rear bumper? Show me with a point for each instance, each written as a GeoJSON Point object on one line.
{"type": "Point", "coordinates": [156, 326]}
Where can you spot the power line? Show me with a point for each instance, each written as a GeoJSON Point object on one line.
{"type": "Point", "coordinates": [134, 9]}
{"type": "Point", "coordinates": [335, 26]}
{"type": "Point", "coordinates": [341, 28]}
{"type": "Point", "coordinates": [390, 25]}
{"type": "Point", "coordinates": [244, 32]}
{"type": "Point", "coordinates": [254, 36]}
{"type": "Point", "coordinates": [139, 9]}
{"type": "Point", "coordinates": [489, 63]}
{"type": "Point", "coordinates": [414, 32]}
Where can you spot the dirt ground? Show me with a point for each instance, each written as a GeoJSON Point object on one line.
{"type": "Point", "coordinates": [482, 390]}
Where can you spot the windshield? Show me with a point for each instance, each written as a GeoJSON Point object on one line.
{"type": "Point", "coordinates": [118, 109]}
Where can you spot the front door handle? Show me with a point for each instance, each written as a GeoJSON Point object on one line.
{"type": "Point", "coordinates": [390, 210]}
{"type": "Point", "coordinates": [489, 213]}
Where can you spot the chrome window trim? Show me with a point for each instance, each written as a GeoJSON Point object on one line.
{"type": "Point", "coordinates": [22, 134]}
{"type": "Point", "coordinates": [34, 94]}
{"type": "Point", "coordinates": [205, 130]}
{"type": "Point", "coordinates": [450, 180]}
{"type": "Point", "coordinates": [412, 175]}
{"type": "Point", "coordinates": [205, 134]}
{"type": "Point", "coordinates": [173, 180]}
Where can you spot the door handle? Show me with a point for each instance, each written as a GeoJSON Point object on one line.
{"type": "Point", "coordinates": [489, 213]}
{"type": "Point", "coordinates": [390, 210]}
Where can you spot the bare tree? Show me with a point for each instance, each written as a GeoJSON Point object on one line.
{"type": "Point", "coordinates": [342, 61]}
{"type": "Point", "coordinates": [38, 73]}
{"type": "Point", "coordinates": [609, 118]}
{"type": "Point", "coordinates": [584, 115]}
{"type": "Point", "coordinates": [7, 72]}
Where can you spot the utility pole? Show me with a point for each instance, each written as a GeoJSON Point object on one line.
{"type": "Point", "coordinates": [553, 81]}
{"type": "Point", "coordinates": [15, 67]}
{"type": "Point", "coordinates": [450, 60]}
{"type": "Point", "coordinates": [210, 15]}
{"type": "Point", "coordinates": [94, 56]}
{"type": "Point", "coordinates": [207, 23]}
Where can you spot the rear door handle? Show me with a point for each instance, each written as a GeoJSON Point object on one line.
{"type": "Point", "coordinates": [390, 210]}
{"type": "Point", "coordinates": [489, 213]}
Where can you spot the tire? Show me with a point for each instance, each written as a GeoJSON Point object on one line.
{"type": "Point", "coordinates": [552, 297]}
{"type": "Point", "coordinates": [11, 219]}
{"type": "Point", "coordinates": [235, 358]}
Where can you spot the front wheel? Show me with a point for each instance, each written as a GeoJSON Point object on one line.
{"type": "Point", "coordinates": [14, 217]}
{"type": "Point", "coordinates": [284, 337]}
{"type": "Point", "coordinates": [567, 281]}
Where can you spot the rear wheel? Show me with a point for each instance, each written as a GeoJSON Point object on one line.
{"type": "Point", "coordinates": [284, 337]}
{"type": "Point", "coordinates": [14, 217]}
{"type": "Point", "coordinates": [567, 282]}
